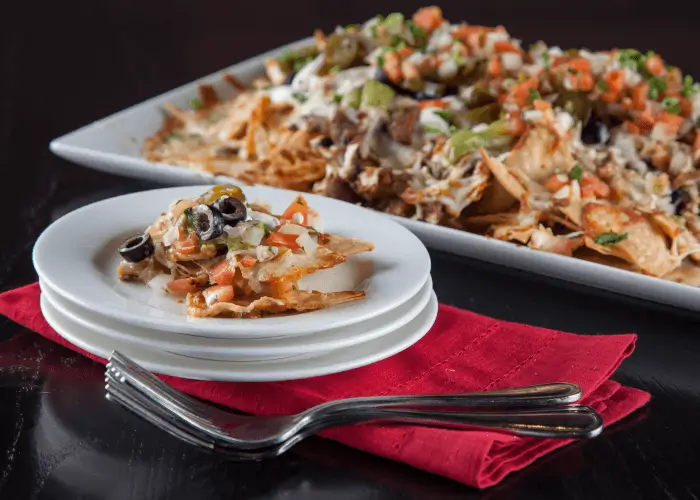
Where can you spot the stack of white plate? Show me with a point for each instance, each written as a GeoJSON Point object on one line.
{"type": "Point", "coordinates": [82, 299]}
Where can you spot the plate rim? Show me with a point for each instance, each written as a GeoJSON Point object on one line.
{"type": "Point", "coordinates": [426, 321]}
{"type": "Point", "coordinates": [414, 310]}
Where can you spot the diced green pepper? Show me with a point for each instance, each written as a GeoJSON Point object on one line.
{"type": "Point", "coordinates": [353, 98]}
{"type": "Point", "coordinates": [376, 94]}
{"type": "Point", "coordinates": [466, 141]}
{"type": "Point", "coordinates": [394, 22]}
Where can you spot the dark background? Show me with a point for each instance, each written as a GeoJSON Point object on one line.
{"type": "Point", "coordinates": [65, 64]}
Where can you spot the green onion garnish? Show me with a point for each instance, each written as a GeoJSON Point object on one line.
{"type": "Point", "coordinates": [671, 105]}
{"type": "Point", "coordinates": [576, 173]}
{"type": "Point", "coordinates": [607, 239]}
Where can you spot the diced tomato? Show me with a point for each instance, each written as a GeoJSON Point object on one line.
{"type": "Point", "coordinates": [655, 65]}
{"type": "Point", "coordinates": [218, 293]}
{"type": "Point", "coordinates": [609, 97]}
{"type": "Point", "coordinates": [247, 261]}
{"type": "Point", "coordinates": [428, 18]}
{"type": "Point", "coordinates": [586, 82]}
{"type": "Point", "coordinates": [283, 240]}
{"type": "Point", "coordinates": [494, 67]}
{"type": "Point", "coordinates": [405, 52]}
{"type": "Point", "coordinates": [644, 121]}
{"type": "Point", "coordinates": [686, 107]}
{"type": "Point", "coordinates": [673, 122]}
{"type": "Point", "coordinates": [505, 46]}
{"type": "Point", "coordinates": [615, 81]}
{"type": "Point", "coordinates": [541, 105]}
{"type": "Point", "coordinates": [520, 93]}
{"type": "Point", "coordinates": [189, 244]}
{"type": "Point", "coordinates": [467, 32]}
{"type": "Point", "coordinates": [433, 103]}
{"type": "Point", "coordinates": [298, 206]}
{"type": "Point", "coordinates": [591, 183]}
{"type": "Point", "coordinates": [222, 273]}
{"type": "Point", "coordinates": [631, 128]}
{"type": "Point", "coordinates": [580, 64]}
{"type": "Point", "coordinates": [392, 67]}
{"type": "Point", "coordinates": [556, 182]}
{"type": "Point", "coordinates": [581, 81]}
{"type": "Point", "coordinates": [516, 124]}
{"type": "Point", "coordinates": [639, 96]}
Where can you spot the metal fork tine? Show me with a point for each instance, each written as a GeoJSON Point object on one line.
{"type": "Point", "coordinates": [118, 360]}
{"type": "Point", "coordinates": [174, 405]}
{"type": "Point", "coordinates": [149, 411]}
{"type": "Point", "coordinates": [115, 385]}
{"type": "Point", "coordinates": [156, 419]}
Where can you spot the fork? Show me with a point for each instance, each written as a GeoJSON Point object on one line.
{"type": "Point", "coordinates": [150, 411]}
{"type": "Point", "coordinates": [247, 432]}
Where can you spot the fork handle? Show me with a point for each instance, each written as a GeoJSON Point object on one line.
{"type": "Point", "coordinates": [575, 421]}
{"type": "Point", "coordinates": [533, 395]}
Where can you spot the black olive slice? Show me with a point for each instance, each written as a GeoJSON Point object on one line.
{"type": "Point", "coordinates": [231, 209]}
{"type": "Point", "coordinates": [137, 248]}
{"type": "Point", "coordinates": [206, 221]}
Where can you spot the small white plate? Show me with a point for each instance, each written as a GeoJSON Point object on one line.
{"type": "Point", "coordinates": [264, 371]}
{"type": "Point", "coordinates": [244, 349]}
{"type": "Point", "coordinates": [77, 257]}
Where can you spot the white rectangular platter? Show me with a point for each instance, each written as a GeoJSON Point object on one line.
{"type": "Point", "coordinates": [114, 145]}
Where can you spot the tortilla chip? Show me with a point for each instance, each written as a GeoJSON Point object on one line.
{"type": "Point", "coordinates": [645, 247]}
{"type": "Point", "coordinates": [297, 301]}
{"type": "Point", "coordinates": [344, 246]}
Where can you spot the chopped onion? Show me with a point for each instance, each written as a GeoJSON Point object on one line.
{"type": "Point", "coordinates": [292, 229]}
{"type": "Point", "coordinates": [263, 253]}
{"type": "Point", "coordinates": [307, 243]}
{"type": "Point", "coordinates": [266, 219]}
{"type": "Point", "coordinates": [237, 230]}
{"type": "Point", "coordinates": [159, 282]}
{"type": "Point", "coordinates": [253, 235]}
{"type": "Point", "coordinates": [170, 236]}
{"type": "Point", "coordinates": [511, 61]}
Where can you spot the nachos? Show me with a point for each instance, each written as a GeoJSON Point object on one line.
{"type": "Point", "coordinates": [232, 258]}
{"type": "Point", "coordinates": [576, 152]}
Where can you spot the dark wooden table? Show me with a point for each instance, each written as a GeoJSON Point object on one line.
{"type": "Point", "coordinates": [63, 64]}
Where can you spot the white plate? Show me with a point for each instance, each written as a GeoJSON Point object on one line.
{"type": "Point", "coordinates": [244, 349]}
{"type": "Point", "coordinates": [264, 371]}
{"type": "Point", "coordinates": [77, 257]}
{"type": "Point", "coordinates": [114, 145]}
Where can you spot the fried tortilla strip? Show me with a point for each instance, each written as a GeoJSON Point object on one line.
{"type": "Point", "coordinates": [683, 243]}
{"type": "Point", "coordinates": [504, 176]}
{"type": "Point", "coordinates": [645, 247]}
{"type": "Point", "coordinates": [344, 246]}
{"type": "Point", "coordinates": [297, 301]}
{"type": "Point", "coordinates": [688, 274]}
{"type": "Point", "coordinates": [542, 154]}
{"type": "Point", "coordinates": [543, 239]}
{"type": "Point", "coordinates": [291, 267]}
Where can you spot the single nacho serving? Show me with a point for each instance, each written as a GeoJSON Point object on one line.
{"type": "Point", "coordinates": [587, 154]}
{"type": "Point", "coordinates": [236, 259]}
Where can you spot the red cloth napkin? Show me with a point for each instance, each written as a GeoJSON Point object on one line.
{"type": "Point", "coordinates": [463, 352]}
